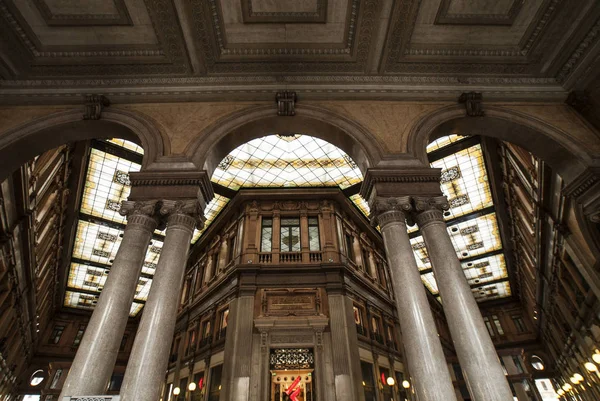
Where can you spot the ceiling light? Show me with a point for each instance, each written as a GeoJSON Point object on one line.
{"type": "Point", "coordinates": [596, 358]}
{"type": "Point", "coordinates": [567, 387]}
{"type": "Point", "coordinates": [176, 391]}
{"type": "Point", "coordinates": [590, 367]}
{"type": "Point", "coordinates": [405, 384]}
{"type": "Point", "coordinates": [560, 392]}
{"type": "Point", "coordinates": [192, 386]}
{"type": "Point", "coordinates": [574, 380]}
{"type": "Point", "coordinates": [390, 381]}
{"type": "Point", "coordinates": [578, 377]}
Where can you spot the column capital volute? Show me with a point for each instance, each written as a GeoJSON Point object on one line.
{"type": "Point", "coordinates": [188, 213]}
{"type": "Point", "coordinates": [141, 212]}
{"type": "Point", "coordinates": [386, 210]}
{"type": "Point", "coordinates": [430, 209]}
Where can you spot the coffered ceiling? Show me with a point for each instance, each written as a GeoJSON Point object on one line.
{"type": "Point", "coordinates": [306, 44]}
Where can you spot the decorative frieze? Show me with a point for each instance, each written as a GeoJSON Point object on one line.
{"type": "Point", "coordinates": [473, 103]}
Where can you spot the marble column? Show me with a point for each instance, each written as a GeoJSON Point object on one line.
{"type": "Point", "coordinates": [150, 354]}
{"type": "Point", "coordinates": [96, 356]}
{"type": "Point", "coordinates": [430, 377]}
{"type": "Point", "coordinates": [478, 358]}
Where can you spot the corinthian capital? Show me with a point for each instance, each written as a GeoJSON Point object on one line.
{"type": "Point", "coordinates": [424, 203]}
{"type": "Point", "coordinates": [186, 212]}
{"type": "Point", "coordinates": [386, 210]}
{"type": "Point", "coordinates": [129, 208]}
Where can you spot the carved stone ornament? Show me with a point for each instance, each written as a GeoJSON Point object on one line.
{"type": "Point", "coordinates": [386, 210]}
{"type": "Point", "coordinates": [473, 103]}
{"type": "Point", "coordinates": [429, 209]}
{"type": "Point", "coordinates": [187, 213]}
{"type": "Point", "coordinates": [94, 104]}
{"type": "Point", "coordinates": [286, 103]}
{"type": "Point", "coordinates": [144, 213]}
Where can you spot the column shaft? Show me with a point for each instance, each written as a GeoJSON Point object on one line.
{"type": "Point", "coordinates": [424, 355]}
{"type": "Point", "coordinates": [95, 359]}
{"type": "Point", "coordinates": [478, 358]}
{"type": "Point", "coordinates": [150, 354]}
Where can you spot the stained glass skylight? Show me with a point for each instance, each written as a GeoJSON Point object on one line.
{"type": "Point", "coordinates": [472, 222]}
{"type": "Point", "coordinates": [287, 161]}
{"type": "Point", "coordinates": [100, 227]}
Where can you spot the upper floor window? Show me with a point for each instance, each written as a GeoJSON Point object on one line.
{"type": "Point", "coordinates": [350, 247]}
{"type": "Point", "coordinates": [57, 332]}
{"type": "Point", "coordinates": [519, 324]}
{"type": "Point", "coordinates": [498, 325]}
{"type": "Point", "coordinates": [290, 235]}
{"type": "Point", "coordinates": [488, 325]}
{"type": "Point", "coordinates": [205, 329]}
{"type": "Point", "coordinates": [314, 243]}
{"type": "Point", "coordinates": [79, 335]}
{"type": "Point", "coordinates": [266, 235]}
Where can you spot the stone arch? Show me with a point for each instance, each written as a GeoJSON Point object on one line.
{"type": "Point", "coordinates": [209, 148]}
{"type": "Point", "coordinates": [545, 141]}
{"type": "Point", "coordinates": [24, 142]}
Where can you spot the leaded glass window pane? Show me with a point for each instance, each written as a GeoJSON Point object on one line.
{"type": "Point", "coordinates": [290, 235]}
{"type": "Point", "coordinates": [314, 243]}
{"type": "Point", "coordinates": [266, 235]}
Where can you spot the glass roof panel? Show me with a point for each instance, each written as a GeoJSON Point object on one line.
{"type": "Point", "coordinates": [75, 299]}
{"type": "Point", "coordinates": [106, 185]}
{"type": "Point", "coordinates": [492, 291]}
{"type": "Point", "coordinates": [361, 204]}
{"type": "Point", "coordinates": [443, 142]}
{"type": "Point", "coordinates": [287, 161]}
{"type": "Point", "coordinates": [486, 269]}
{"type": "Point", "coordinates": [464, 181]}
{"type": "Point", "coordinates": [85, 277]}
{"type": "Point", "coordinates": [127, 145]}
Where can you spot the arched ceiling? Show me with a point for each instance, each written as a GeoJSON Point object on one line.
{"type": "Point", "coordinates": [239, 45]}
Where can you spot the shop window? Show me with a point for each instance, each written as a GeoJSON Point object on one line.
{"type": "Point", "coordinates": [116, 380]}
{"type": "Point", "coordinates": [290, 235]}
{"type": "Point", "coordinates": [314, 242]}
{"type": "Point", "coordinates": [400, 386]}
{"type": "Point", "coordinates": [57, 332]}
{"type": "Point", "coordinates": [519, 324]}
{"type": "Point", "coordinates": [79, 335]}
{"type": "Point", "coordinates": [266, 235]}
{"type": "Point", "coordinates": [488, 325]}
{"type": "Point", "coordinates": [385, 383]}
{"type": "Point", "coordinates": [498, 325]}
{"type": "Point", "coordinates": [183, 388]}
{"type": "Point", "coordinates": [198, 393]}
{"type": "Point", "coordinates": [367, 381]}
{"type": "Point", "coordinates": [215, 383]}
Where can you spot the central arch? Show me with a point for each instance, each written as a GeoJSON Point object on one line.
{"type": "Point", "coordinates": [225, 135]}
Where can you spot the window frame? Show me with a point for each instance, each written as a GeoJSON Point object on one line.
{"type": "Point", "coordinates": [289, 227]}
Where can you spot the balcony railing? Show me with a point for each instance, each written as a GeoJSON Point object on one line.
{"type": "Point", "coordinates": [265, 258]}
{"type": "Point", "coordinates": [290, 257]}
{"type": "Point", "coordinates": [315, 257]}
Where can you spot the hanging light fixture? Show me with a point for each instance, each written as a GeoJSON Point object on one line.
{"type": "Point", "coordinates": [578, 377]}
{"type": "Point", "coordinates": [596, 357]}
{"type": "Point", "coordinates": [192, 386]}
{"type": "Point", "coordinates": [390, 381]}
{"type": "Point", "coordinates": [406, 384]}
{"type": "Point", "coordinates": [590, 367]}
{"type": "Point", "coordinates": [176, 391]}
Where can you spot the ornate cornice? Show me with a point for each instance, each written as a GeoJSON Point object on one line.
{"type": "Point", "coordinates": [584, 47]}
{"type": "Point", "coordinates": [185, 184]}
{"type": "Point", "coordinates": [400, 181]}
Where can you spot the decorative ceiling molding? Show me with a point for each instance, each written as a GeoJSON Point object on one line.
{"type": "Point", "coordinates": [445, 17]}
{"type": "Point", "coordinates": [252, 15]}
{"type": "Point", "coordinates": [120, 18]}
